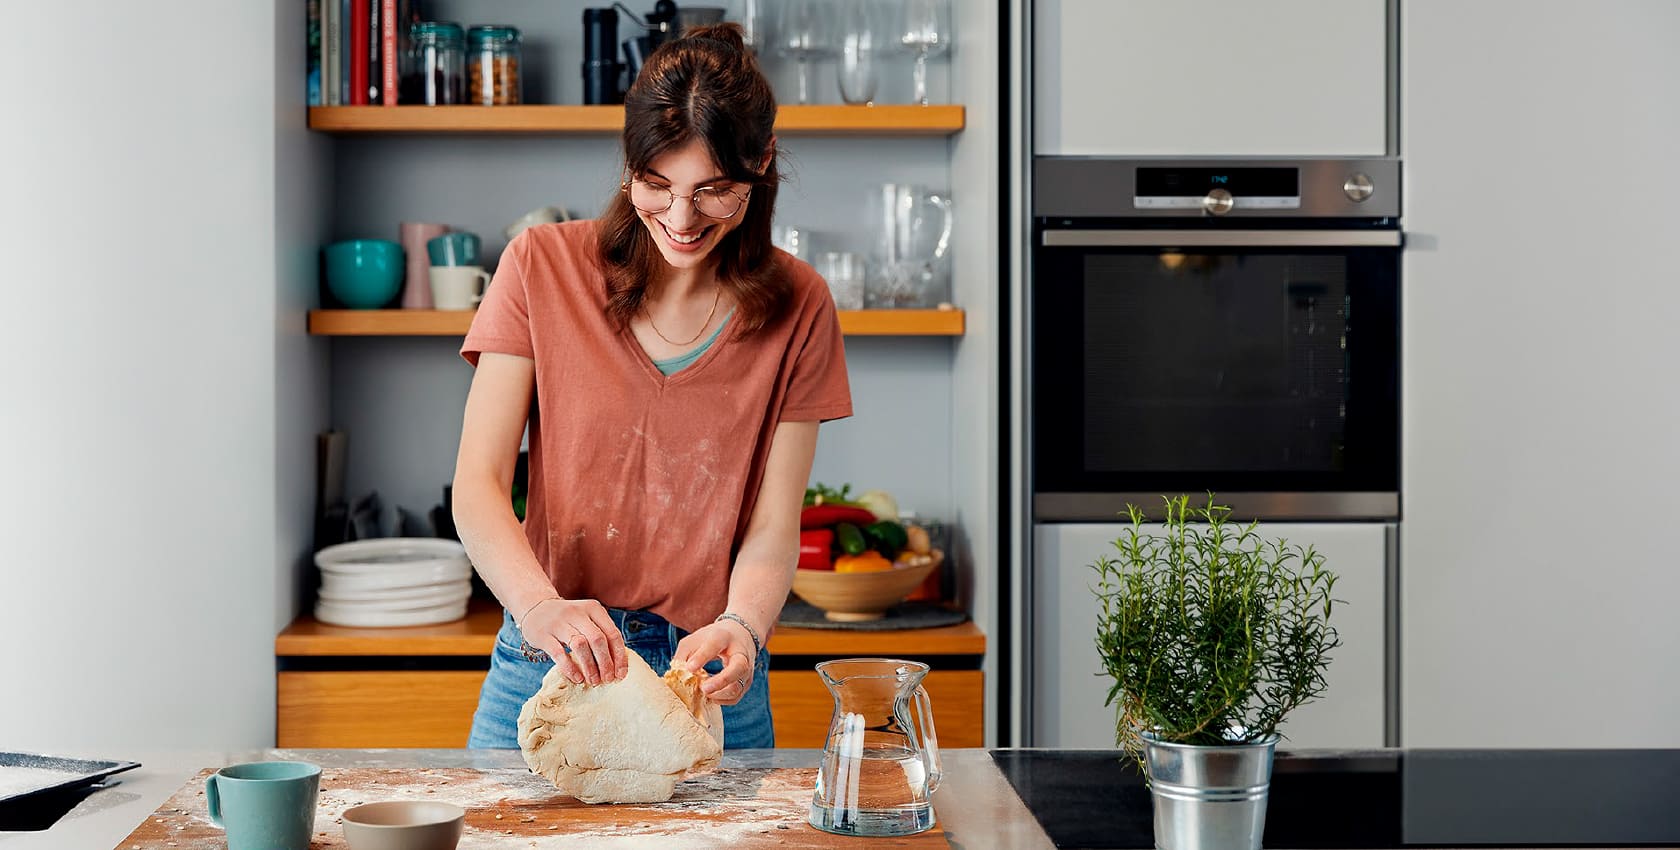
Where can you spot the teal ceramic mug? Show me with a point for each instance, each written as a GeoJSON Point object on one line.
{"type": "Point", "coordinates": [454, 249]}
{"type": "Point", "coordinates": [364, 274]}
{"type": "Point", "coordinates": [265, 805]}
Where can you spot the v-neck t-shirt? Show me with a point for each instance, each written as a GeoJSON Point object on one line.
{"type": "Point", "coordinates": [642, 484]}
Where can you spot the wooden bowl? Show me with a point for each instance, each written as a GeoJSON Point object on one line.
{"type": "Point", "coordinates": [856, 597]}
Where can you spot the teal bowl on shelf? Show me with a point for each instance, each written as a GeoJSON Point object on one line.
{"type": "Point", "coordinates": [364, 274]}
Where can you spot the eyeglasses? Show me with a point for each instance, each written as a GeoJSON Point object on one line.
{"type": "Point", "coordinates": [709, 201]}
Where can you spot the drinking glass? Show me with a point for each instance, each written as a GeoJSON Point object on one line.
{"type": "Point", "coordinates": [803, 37]}
{"type": "Point", "coordinates": [859, 44]}
{"type": "Point", "coordinates": [926, 31]}
{"type": "Point", "coordinates": [845, 275]}
{"type": "Point", "coordinates": [753, 30]}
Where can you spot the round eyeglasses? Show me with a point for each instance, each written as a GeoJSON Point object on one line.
{"type": "Point", "coordinates": [709, 201]}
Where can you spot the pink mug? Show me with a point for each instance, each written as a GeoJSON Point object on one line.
{"type": "Point", "coordinates": [417, 282]}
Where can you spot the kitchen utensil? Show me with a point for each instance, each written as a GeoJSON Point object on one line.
{"type": "Point", "coordinates": [853, 597]}
{"type": "Point", "coordinates": [880, 762]}
{"type": "Point", "coordinates": [926, 31]}
{"type": "Point", "coordinates": [804, 35]}
{"type": "Point", "coordinates": [268, 805]}
{"type": "Point", "coordinates": [913, 240]}
{"type": "Point", "coordinates": [859, 46]}
{"type": "Point", "coordinates": [340, 615]}
{"type": "Point", "coordinates": [404, 825]}
{"type": "Point", "coordinates": [417, 286]}
{"type": "Point", "coordinates": [364, 274]}
{"type": "Point", "coordinates": [540, 215]}
{"type": "Point", "coordinates": [454, 249]}
{"type": "Point", "coordinates": [458, 287]}
{"type": "Point", "coordinates": [844, 272]}
{"type": "Point", "coordinates": [600, 56]}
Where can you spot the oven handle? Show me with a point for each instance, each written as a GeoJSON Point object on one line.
{"type": "Point", "coordinates": [1222, 238]}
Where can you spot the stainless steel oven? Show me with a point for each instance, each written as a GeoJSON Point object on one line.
{"type": "Point", "coordinates": [1226, 326]}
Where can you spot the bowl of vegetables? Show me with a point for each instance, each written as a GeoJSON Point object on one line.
{"type": "Point", "coordinates": [856, 560]}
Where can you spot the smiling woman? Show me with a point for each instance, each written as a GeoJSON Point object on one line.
{"type": "Point", "coordinates": [671, 368]}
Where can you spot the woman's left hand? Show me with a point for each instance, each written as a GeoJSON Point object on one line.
{"type": "Point", "coordinates": [725, 640]}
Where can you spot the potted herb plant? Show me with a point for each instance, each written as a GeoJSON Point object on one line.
{"type": "Point", "coordinates": [1212, 634]}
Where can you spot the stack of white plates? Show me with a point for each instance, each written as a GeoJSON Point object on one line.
{"type": "Point", "coordinates": [393, 581]}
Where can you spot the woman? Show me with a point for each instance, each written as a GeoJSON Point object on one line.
{"type": "Point", "coordinates": [672, 368]}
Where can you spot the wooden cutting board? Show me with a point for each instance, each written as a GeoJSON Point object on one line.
{"type": "Point", "coordinates": [734, 808]}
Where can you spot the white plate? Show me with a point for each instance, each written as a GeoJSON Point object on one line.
{"type": "Point", "coordinates": [434, 600]}
{"type": "Point", "coordinates": [338, 593]}
{"type": "Point", "coordinates": [419, 577]}
{"type": "Point", "coordinates": [386, 555]}
{"type": "Point", "coordinates": [337, 615]}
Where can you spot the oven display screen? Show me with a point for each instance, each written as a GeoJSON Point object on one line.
{"type": "Point", "coordinates": [1197, 182]}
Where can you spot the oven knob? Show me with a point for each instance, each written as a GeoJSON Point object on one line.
{"type": "Point", "coordinates": [1358, 187]}
{"type": "Point", "coordinates": [1218, 202]}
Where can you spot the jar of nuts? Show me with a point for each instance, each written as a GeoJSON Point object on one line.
{"type": "Point", "coordinates": [493, 65]}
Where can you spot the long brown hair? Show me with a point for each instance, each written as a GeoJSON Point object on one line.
{"type": "Point", "coordinates": [707, 86]}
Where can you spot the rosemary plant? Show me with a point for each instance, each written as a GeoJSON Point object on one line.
{"type": "Point", "coordinates": [1212, 633]}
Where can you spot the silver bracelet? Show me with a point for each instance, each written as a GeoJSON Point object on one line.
{"type": "Point", "coordinates": [758, 646]}
{"type": "Point", "coordinates": [519, 623]}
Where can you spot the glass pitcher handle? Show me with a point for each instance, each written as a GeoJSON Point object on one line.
{"type": "Point", "coordinates": [943, 246]}
{"type": "Point", "coordinates": [928, 738]}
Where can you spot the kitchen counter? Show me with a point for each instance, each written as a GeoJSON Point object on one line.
{"type": "Point", "coordinates": [1089, 799]}
{"type": "Point", "coordinates": [974, 804]}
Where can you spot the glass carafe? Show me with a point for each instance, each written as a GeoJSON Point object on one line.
{"type": "Point", "coordinates": [880, 764]}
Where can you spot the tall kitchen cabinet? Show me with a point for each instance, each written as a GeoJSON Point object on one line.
{"type": "Point", "coordinates": [1211, 77]}
{"type": "Point", "coordinates": [924, 384]}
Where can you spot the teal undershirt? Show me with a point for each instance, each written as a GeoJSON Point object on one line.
{"type": "Point", "coordinates": [682, 361]}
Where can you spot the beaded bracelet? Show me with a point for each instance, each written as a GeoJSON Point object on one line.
{"type": "Point", "coordinates": [758, 646]}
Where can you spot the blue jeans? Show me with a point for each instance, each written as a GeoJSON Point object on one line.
{"type": "Point", "coordinates": [513, 679]}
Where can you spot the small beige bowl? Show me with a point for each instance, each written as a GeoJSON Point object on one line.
{"type": "Point", "coordinates": [404, 825]}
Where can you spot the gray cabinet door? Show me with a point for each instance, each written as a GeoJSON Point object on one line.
{"type": "Point", "coordinates": [1210, 77]}
{"type": "Point", "coordinates": [1066, 679]}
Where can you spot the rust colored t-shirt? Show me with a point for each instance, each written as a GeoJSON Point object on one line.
{"type": "Point", "coordinates": [641, 484]}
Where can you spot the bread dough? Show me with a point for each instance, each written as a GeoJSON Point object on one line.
{"type": "Point", "coordinates": [628, 741]}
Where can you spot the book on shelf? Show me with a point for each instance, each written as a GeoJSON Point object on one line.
{"type": "Point", "coordinates": [312, 63]}
{"type": "Point", "coordinates": [358, 52]}
{"type": "Point", "coordinates": [330, 44]}
{"type": "Point", "coordinates": [387, 51]}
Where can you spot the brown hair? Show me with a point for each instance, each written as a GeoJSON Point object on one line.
{"type": "Point", "coordinates": [707, 86]}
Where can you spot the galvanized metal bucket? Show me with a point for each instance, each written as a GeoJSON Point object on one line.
{"type": "Point", "coordinates": [1209, 797]}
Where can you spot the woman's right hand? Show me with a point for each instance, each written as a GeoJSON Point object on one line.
{"type": "Point", "coordinates": [580, 636]}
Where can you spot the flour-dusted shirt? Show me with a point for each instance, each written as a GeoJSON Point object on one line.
{"type": "Point", "coordinates": [642, 484]}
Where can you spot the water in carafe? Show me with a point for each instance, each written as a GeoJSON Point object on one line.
{"type": "Point", "coordinates": [881, 761]}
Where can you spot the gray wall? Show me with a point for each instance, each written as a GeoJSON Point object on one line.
{"type": "Point", "coordinates": [1539, 574]}
{"type": "Point", "coordinates": [144, 510]}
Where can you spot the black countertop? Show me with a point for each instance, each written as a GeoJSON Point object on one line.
{"type": "Point", "coordinates": [1383, 798]}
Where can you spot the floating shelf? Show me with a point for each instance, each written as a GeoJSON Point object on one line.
{"type": "Point", "coordinates": [885, 120]}
{"type": "Point", "coordinates": [455, 322]}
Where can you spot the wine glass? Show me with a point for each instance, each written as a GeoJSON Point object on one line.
{"type": "Point", "coordinates": [804, 36]}
{"type": "Point", "coordinates": [859, 42]}
{"type": "Point", "coordinates": [753, 30]}
{"type": "Point", "coordinates": [925, 31]}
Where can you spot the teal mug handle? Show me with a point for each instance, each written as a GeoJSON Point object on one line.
{"type": "Point", "coordinates": [213, 801]}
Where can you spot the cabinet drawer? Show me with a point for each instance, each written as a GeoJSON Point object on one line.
{"type": "Point", "coordinates": [376, 708]}
{"type": "Point", "coordinates": [801, 707]}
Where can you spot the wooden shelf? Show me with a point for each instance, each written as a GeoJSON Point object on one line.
{"type": "Point", "coordinates": [838, 120]}
{"type": "Point", "coordinates": [455, 322]}
{"type": "Point", "coordinates": [476, 635]}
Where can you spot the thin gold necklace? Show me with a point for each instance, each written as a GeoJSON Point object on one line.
{"type": "Point", "coordinates": [703, 325]}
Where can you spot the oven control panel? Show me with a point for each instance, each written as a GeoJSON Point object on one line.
{"type": "Point", "coordinates": [1100, 187]}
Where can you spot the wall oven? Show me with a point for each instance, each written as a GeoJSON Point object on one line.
{"type": "Point", "coordinates": [1226, 326]}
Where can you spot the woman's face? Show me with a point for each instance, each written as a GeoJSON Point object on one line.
{"type": "Point", "coordinates": [684, 234]}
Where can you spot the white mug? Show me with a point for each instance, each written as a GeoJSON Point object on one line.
{"type": "Point", "coordinates": [540, 215]}
{"type": "Point", "coordinates": [458, 287]}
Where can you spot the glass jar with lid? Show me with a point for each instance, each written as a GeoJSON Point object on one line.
{"type": "Point", "coordinates": [493, 65]}
{"type": "Point", "coordinates": [437, 65]}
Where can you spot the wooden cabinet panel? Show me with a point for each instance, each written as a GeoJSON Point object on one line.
{"type": "Point", "coordinates": [377, 708]}
{"type": "Point", "coordinates": [801, 707]}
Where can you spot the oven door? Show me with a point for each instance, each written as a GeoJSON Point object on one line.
{"type": "Point", "coordinates": [1261, 365]}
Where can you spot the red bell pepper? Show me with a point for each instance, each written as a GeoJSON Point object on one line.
{"type": "Point", "coordinates": [823, 516]}
{"type": "Point", "coordinates": [814, 546]}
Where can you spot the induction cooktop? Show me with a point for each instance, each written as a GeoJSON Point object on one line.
{"type": "Point", "coordinates": [1095, 800]}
